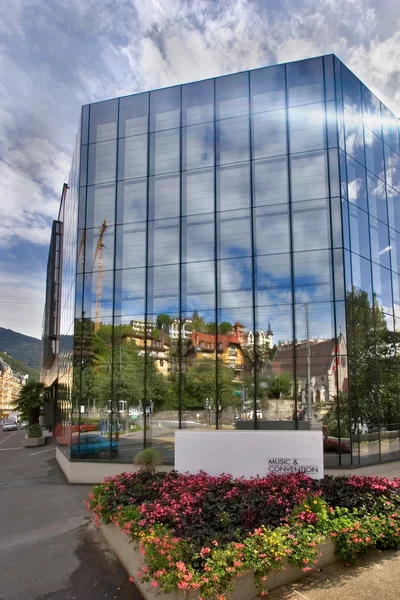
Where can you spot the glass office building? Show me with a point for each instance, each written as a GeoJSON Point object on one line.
{"type": "Point", "coordinates": [231, 260]}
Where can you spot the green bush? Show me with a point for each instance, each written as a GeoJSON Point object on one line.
{"type": "Point", "coordinates": [34, 431]}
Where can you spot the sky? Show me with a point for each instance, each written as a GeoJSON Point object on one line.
{"type": "Point", "coordinates": [56, 55]}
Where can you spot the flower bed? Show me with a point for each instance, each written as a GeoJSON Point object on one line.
{"type": "Point", "coordinates": [197, 532]}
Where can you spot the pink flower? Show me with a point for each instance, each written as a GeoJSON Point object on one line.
{"type": "Point", "coordinates": [131, 579]}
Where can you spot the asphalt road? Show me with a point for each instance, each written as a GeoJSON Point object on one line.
{"type": "Point", "coordinates": [49, 547]}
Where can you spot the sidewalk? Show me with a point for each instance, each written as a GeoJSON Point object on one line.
{"type": "Point", "coordinates": [389, 470]}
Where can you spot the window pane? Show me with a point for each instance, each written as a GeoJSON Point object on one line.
{"type": "Point", "coordinates": [307, 128]}
{"type": "Point", "coordinates": [100, 205]}
{"type": "Point", "coordinates": [371, 111]}
{"type": "Point", "coordinates": [337, 240]}
{"type": "Point", "coordinates": [234, 233]}
{"type": "Point", "coordinates": [85, 125]}
{"type": "Point", "coordinates": [309, 176]}
{"type": "Point", "coordinates": [132, 201]}
{"type": "Point", "coordinates": [377, 198]}
{"type": "Point", "coordinates": [317, 319]}
{"type": "Point", "coordinates": [164, 197]}
{"type": "Point", "coordinates": [332, 125]}
{"type": "Point", "coordinates": [395, 250]}
{"type": "Point", "coordinates": [132, 157]}
{"type": "Point", "coordinates": [305, 81]}
{"type": "Point", "coordinates": [198, 286]}
{"type": "Point", "coordinates": [396, 297]}
{"type": "Point", "coordinates": [102, 162]}
{"type": "Point", "coordinates": [392, 164]}
{"type": "Point", "coordinates": [351, 91]}
{"type": "Point", "coordinates": [329, 77]}
{"type": "Point", "coordinates": [334, 177]}
{"type": "Point", "coordinates": [233, 187]}
{"type": "Point", "coordinates": [361, 270]}
{"type": "Point", "coordinates": [382, 288]}
{"type": "Point", "coordinates": [165, 108]}
{"type": "Point", "coordinates": [98, 296]}
{"type": "Point", "coordinates": [233, 140]}
{"type": "Point", "coordinates": [99, 249]}
{"type": "Point", "coordinates": [356, 184]}
{"type": "Point", "coordinates": [393, 200]}
{"type": "Point", "coordinates": [103, 121]}
{"type": "Point", "coordinates": [83, 166]}
{"type": "Point", "coordinates": [131, 246]}
{"type": "Point", "coordinates": [232, 95]}
{"type": "Point", "coordinates": [163, 242]}
{"type": "Point", "coordinates": [198, 238]}
{"type": "Point", "coordinates": [198, 102]}
{"type": "Point", "coordinates": [273, 280]}
{"type": "Point", "coordinates": [379, 242]}
{"type": "Point", "coordinates": [163, 289]}
{"type": "Point", "coordinates": [269, 134]}
{"type": "Point", "coordinates": [390, 129]}
{"type": "Point", "coordinates": [354, 136]}
{"type": "Point", "coordinates": [374, 153]}
{"type": "Point", "coordinates": [339, 274]}
{"type": "Point", "coordinates": [235, 283]}
{"type": "Point", "coordinates": [359, 231]}
{"type": "Point", "coordinates": [164, 152]}
{"type": "Point", "coordinates": [271, 230]}
{"type": "Point", "coordinates": [130, 292]}
{"type": "Point", "coordinates": [198, 146]}
{"type": "Point", "coordinates": [198, 192]}
{"type": "Point", "coordinates": [270, 181]}
{"type": "Point", "coordinates": [311, 229]}
{"type": "Point", "coordinates": [133, 115]}
{"type": "Point", "coordinates": [277, 319]}
{"type": "Point", "coordinates": [267, 88]}
{"type": "Point", "coordinates": [313, 277]}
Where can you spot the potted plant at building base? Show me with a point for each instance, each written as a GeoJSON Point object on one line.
{"type": "Point", "coordinates": [30, 405]}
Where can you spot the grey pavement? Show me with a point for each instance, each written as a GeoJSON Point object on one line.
{"type": "Point", "coordinates": [49, 548]}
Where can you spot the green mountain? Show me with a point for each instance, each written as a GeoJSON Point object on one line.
{"type": "Point", "coordinates": [21, 347]}
{"type": "Point", "coordinates": [20, 367]}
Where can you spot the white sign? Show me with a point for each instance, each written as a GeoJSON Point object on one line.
{"type": "Point", "coordinates": [250, 453]}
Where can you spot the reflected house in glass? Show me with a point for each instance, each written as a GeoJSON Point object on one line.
{"type": "Point", "coordinates": [231, 259]}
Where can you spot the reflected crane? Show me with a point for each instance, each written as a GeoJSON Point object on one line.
{"type": "Point", "coordinates": [98, 256]}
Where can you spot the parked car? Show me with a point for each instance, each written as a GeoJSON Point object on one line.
{"type": "Point", "coordinates": [84, 427]}
{"type": "Point", "coordinates": [92, 445]}
{"type": "Point", "coordinates": [24, 424]}
{"type": "Point", "coordinates": [11, 426]}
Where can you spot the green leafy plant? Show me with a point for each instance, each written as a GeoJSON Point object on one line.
{"type": "Point", "coordinates": [30, 402]}
{"type": "Point", "coordinates": [148, 460]}
{"type": "Point", "coordinates": [34, 431]}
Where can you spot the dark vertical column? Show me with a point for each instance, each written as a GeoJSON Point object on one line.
{"type": "Point", "coordinates": [146, 286]}
{"type": "Point", "coordinates": [180, 268]}
{"type": "Point", "coordinates": [216, 239]}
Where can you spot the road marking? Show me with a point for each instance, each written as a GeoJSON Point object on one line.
{"type": "Point", "coordinates": [40, 451]}
{"type": "Point", "coordinates": [2, 441]}
{"type": "Point", "coordinates": [302, 595]}
{"type": "Point", "coordinates": [5, 449]}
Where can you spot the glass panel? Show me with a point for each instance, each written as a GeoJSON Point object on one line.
{"type": "Point", "coordinates": [354, 137]}
{"type": "Point", "coordinates": [85, 125]}
{"type": "Point", "coordinates": [100, 205]}
{"type": "Point", "coordinates": [356, 184]}
{"type": "Point", "coordinates": [271, 225]}
{"type": "Point", "coordinates": [131, 246]}
{"type": "Point", "coordinates": [361, 271]}
{"type": "Point", "coordinates": [233, 187]}
{"type": "Point", "coordinates": [359, 231]}
{"type": "Point", "coordinates": [392, 164]}
{"type": "Point", "coordinates": [164, 152]}
{"type": "Point", "coordinates": [332, 125]}
{"type": "Point", "coordinates": [395, 250]}
{"type": "Point", "coordinates": [371, 111]}
{"type": "Point", "coordinates": [130, 291]}
{"type": "Point", "coordinates": [102, 162]}
{"type": "Point", "coordinates": [82, 208]}
{"type": "Point", "coordinates": [165, 108]}
{"type": "Point", "coordinates": [311, 226]}
{"type": "Point", "coordinates": [318, 316]}
{"type": "Point", "coordinates": [267, 88]}
{"type": "Point", "coordinates": [133, 115]}
{"type": "Point", "coordinates": [83, 166]}
{"type": "Point", "coordinates": [377, 198]}
{"type": "Point", "coordinates": [396, 298]}
{"type": "Point", "coordinates": [198, 286]}
{"type": "Point", "coordinates": [198, 192]}
{"type": "Point", "coordinates": [305, 81]}
{"type": "Point", "coordinates": [163, 242]}
{"type": "Point", "coordinates": [329, 77]}
{"type": "Point", "coordinates": [339, 274]}
{"type": "Point", "coordinates": [235, 283]}
{"type": "Point", "coordinates": [351, 91]}
{"type": "Point", "coordinates": [270, 181]}
{"type": "Point", "coordinates": [307, 128]}
{"type": "Point", "coordinates": [233, 140]}
{"type": "Point", "coordinates": [380, 247]}
{"type": "Point", "coordinates": [269, 134]}
{"type": "Point", "coordinates": [163, 289]}
{"type": "Point", "coordinates": [132, 157]}
{"type": "Point", "coordinates": [338, 79]}
{"type": "Point", "coordinates": [234, 234]}
{"type": "Point", "coordinates": [103, 121]}
{"type": "Point", "coordinates": [382, 288]}
{"type": "Point", "coordinates": [198, 102]}
{"type": "Point", "coordinates": [337, 241]}
{"type": "Point", "coordinates": [132, 201]}
{"type": "Point", "coordinates": [99, 249]}
{"type": "Point", "coordinates": [98, 295]}
{"type": "Point", "coordinates": [198, 146]}
{"type": "Point", "coordinates": [164, 197]}
{"type": "Point", "coordinates": [309, 176]}
{"type": "Point", "coordinates": [374, 153]}
{"type": "Point", "coordinates": [393, 200]}
{"type": "Point", "coordinates": [340, 119]}
{"type": "Point", "coordinates": [313, 278]}
{"type": "Point", "coordinates": [198, 238]}
{"type": "Point", "coordinates": [334, 178]}
{"type": "Point", "coordinates": [273, 280]}
{"type": "Point", "coordinates": [390, 129]}
{"type": "Point", "coordinates": [343, 174]}
{"type": "Point", "coordinates": [232, 95]}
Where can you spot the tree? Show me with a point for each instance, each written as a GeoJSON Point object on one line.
{"type": "Point", "coordinates": [163, 322]}
{"type": "Point", "coordinates": [30, 402]}
{"type": "Point", "coordinates": [279, 385]}
{"type": "Point", "coordinates": [224, 327]}
{"type": "Point", "coordinates": [201, 383]}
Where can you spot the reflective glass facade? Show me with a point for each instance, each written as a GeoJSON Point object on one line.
{"type": "Point", "coordinates": [231, 259]}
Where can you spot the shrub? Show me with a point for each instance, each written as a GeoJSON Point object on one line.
{"type": "Point", "coordinates": [148, 460]}
{"type": "Point", "coordinates": [34, 431]}
{"type": "Point", "coordinates": [333, 446]}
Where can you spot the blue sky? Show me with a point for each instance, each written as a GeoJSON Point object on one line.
{"type": "Point", "coordinates": [56, 55]}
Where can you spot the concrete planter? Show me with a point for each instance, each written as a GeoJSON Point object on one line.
{"type": "Point", "coordinates": [245, 588]}
{"type": "Point", "coordinates": [31, 442]}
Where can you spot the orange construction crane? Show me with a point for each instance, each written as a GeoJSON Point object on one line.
{"type": "Point", "coordinates": [98, 255]}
